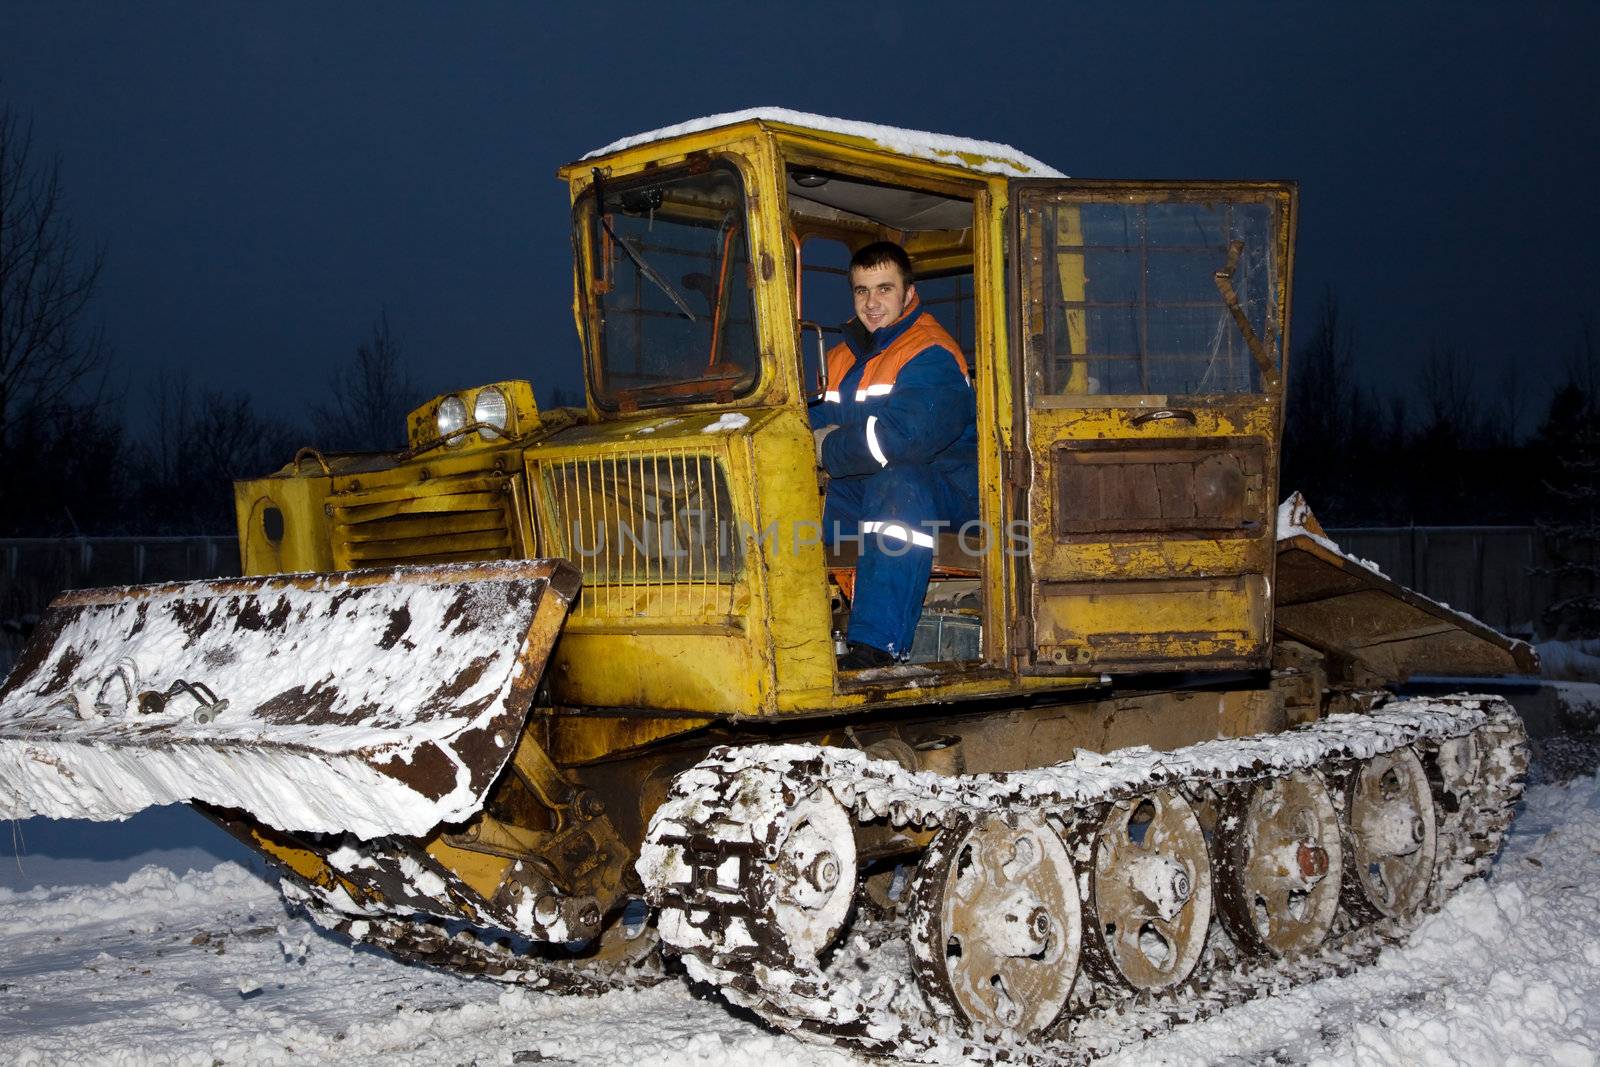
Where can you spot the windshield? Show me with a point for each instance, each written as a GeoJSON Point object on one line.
{"type": "Point", "coordinates": [669, 294]}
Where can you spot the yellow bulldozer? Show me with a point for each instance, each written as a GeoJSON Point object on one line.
{"type": "Point", "coordinates": [553, 696]}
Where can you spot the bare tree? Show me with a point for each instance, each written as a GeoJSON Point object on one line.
{"type": "Point", "coordinates": [1449, 395]}
{"type": "Point", "coordinates": [370, 397]}
{"type": "Point", "coordinates": [1511, 404]}
{"type": "Point", "coordinates": [199, 442]}
{"type": "Point", "coordinates": [1322, 393]}
{"type": "Point", "coordinates": [47, 346]}
{"type": "Point", "coordinates": [1569, 444]}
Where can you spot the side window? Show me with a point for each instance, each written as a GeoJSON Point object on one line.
{"type": "Point", "coordinates": [824, 299]}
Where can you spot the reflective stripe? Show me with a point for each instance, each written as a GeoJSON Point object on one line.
{"type": "Point", "coordinates": [872, 441]}
{"type": "Point", "coordinates": [831, 396]}
{"type": "Point", "coordinates": [881, 389]}
{"type": "Point", "coordinates": [899, 532]}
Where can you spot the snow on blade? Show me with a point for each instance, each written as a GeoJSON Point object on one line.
{"type": "Point", "coordinates": [985, 156]}
{"type": "Point", "coordinates": [1295, 520]}
{"type": "Point", "coordinates": [375, 702]}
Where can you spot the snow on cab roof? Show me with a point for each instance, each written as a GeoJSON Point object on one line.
{"type": "Point", "coordinates": [985, 156]}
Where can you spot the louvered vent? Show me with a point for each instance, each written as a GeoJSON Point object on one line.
{"type": "Point", "coordinates": [443, 520]}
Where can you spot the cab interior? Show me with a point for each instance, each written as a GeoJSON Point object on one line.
{"type": "Point", "coordinates": [831, 214]}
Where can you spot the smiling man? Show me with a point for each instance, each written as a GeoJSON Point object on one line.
{"type": "Point", "coordinates": [896, 432]}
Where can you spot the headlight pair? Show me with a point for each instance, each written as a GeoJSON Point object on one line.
{"type": "Point", "coordinates": [489, 410]}
{"type": "Point", "coordinates": [470, 418]}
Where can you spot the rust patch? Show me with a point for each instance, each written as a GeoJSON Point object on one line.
{"type": "Point", "coordinates": [429, 771]}
{"type": "Point", "coordinates": [63, 673]}
{"type": "Point", "coordinates": [249, 615]}
{"type": "Point", "coordinates": [457, 609]}
{"type": "Point", "coordinates": [193, 617]}
{"type": "Point", "coordinates": [399, 623]}
{"type": "Point", "coordinates": [480, 755]}
{"type": "Point", "coordinates": [444, 697]}
{"type": "Point", "coordinates": [300, 705]}
{"type": "Point", "coordinates": [38, 649]}
{"type": "Point", "coordinates": [338, 600]}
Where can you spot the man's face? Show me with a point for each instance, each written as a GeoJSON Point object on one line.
{"type": "Point", "coordinates": [881, 294]}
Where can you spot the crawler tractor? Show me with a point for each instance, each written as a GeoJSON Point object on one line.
{"type": "Point", "coordinates": [553, 695]}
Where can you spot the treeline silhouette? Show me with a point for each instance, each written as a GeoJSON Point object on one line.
{"type": "Point", "coordinates": [73, 466]}
{"type": "Point", "coordinates": [1437, 453]}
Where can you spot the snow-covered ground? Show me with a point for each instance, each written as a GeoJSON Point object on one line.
{"type": "Point", "coordinates": [206, 967]}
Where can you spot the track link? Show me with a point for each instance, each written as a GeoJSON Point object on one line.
{"type": "Point", "coordinates": [718, 850]}
{"type": "Point", "coordinates": [615, 962]}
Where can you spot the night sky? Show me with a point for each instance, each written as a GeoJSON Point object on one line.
{"type": "Point", "coordinates": [267, 178]}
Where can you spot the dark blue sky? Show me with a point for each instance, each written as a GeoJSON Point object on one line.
{"type": "Point", "coordinates": [267, 178]}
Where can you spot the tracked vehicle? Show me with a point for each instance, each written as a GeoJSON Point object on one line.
{"type": "Point", "coordinates": [552, 695]}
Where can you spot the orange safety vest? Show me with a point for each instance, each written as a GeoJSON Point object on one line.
{"type": "Point", "coordinates": [882, 369]}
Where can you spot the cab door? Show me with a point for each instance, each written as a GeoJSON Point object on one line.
{"type": "Point", "coordinates": [1149, 320]}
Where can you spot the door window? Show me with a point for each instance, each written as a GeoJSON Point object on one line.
{"type": "Point", "coordinates": [1159, 294]}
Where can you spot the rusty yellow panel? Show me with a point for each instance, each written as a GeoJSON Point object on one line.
{"type": "Point", "coordinates": [786, 569]}
{"type": "Point", "coordinates": [1072, 283]}
{"type": "Point", "coordinates": [306, 864]}
{"type": "Point", "coordinates": [1196, 557]}
{"type": "Point", "coordinates": [292, 540]}
{"type": "Point", "coordinates": [447, 506]}
{"type": "Point", "coordinates": [671, 606]}
{"type": "Point", "coordinates": [425, 525]}
{"type": "Point", "coordinates": [1248, 712]}
{"type": "Point", "coordinates": [1155, 620]}
{"type": "Point", "coordinates": [437, 496]}
{"type": "Point", "coordinates": [481, 871]}
{"type": "Point", "coordinates": [707, 673]}
{"type": "Point", "coordinates": [578, 738]}
{"type": "Point", "coordinates": [1071, 419]}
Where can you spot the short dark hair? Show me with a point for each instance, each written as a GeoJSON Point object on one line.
{"type": "Point", "coordinates": [880, 253]}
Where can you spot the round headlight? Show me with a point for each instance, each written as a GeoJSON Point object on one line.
{"type": "Point", "coordinates": [490, 409]}
{"type": "Point", "coordinates": [451, 416]}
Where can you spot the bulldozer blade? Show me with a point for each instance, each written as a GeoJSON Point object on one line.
{"type": "Point", "coordinates": [1348, 608]}
{"type": "Point", "coordinates": [372, 702]}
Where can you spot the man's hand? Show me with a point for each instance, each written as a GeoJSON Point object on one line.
{"type": "Point", "coordinates": [820, 435]}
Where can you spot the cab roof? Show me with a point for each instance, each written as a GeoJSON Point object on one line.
{"type": "Point", "coordinates": [983, 157]}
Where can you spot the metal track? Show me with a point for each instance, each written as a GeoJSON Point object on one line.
{"type": "Point", "coordinates": [712, 848]}
{"type": "Point", "coordinates": [615, 963]}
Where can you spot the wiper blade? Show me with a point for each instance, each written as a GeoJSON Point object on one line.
{"type": "Point", "coordinates": [633, 253]}
{"type": "Point", "coordinates": [650, 272]}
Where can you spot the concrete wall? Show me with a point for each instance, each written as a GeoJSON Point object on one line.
{"type": "Point", "coordinates": [34, 569]}
{"type": "Point", "coordinates": [1491, 572]}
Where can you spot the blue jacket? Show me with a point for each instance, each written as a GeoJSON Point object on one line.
{"type": "Point", "coordinates": [900, 395]}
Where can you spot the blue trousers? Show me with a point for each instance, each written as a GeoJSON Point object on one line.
{"type": "Point", "coordinates": [891, 513]}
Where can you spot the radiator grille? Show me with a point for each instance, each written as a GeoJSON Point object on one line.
{"type": "Point", "coordinates": [458, 518]}
{"type": "Point", "coordinates": [654, 532]}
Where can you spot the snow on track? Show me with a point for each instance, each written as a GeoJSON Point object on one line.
{"type": "Point", "coordinates": [207, 968]}
{"type": "Point", "coordinates": [1507, 972]}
